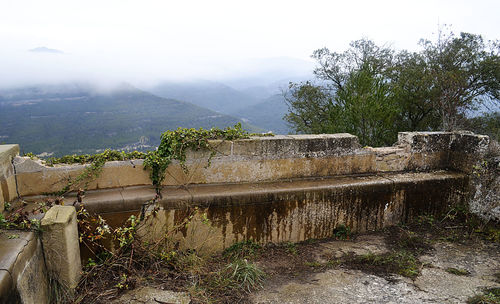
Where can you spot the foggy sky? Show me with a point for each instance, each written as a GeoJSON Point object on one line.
{"type": "Point", "coordinates": [148, 41]}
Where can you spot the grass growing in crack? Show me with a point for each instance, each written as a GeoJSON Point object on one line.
{"type": "Point", "coordinates": [188, 261]}
{"type": "Point", "coordinates": [241, 274]}
{"type": "Point", "coordinates": [406, 246]}
{"type": "Point", "coordinates": [401, 262]}
{"type": "Point", "coordinates": [243, 249]}
{"type": "Point", "coordinates": [492, 234]}
{"type": "Point", "coordinates": [226, 282]}
{"type": "Point", "coordinates": [291, 248]}
{"type": "Point", "coordinates": [58, 293]}
{"type": "Point", "coordinates": [411, 241]}
{"type": "Point", "coordinates": [457, 271]}
{"type": "Point", "coordinates": [313, 264]}
{"type": "Point", "coordinates": [490, 296]}
{"type": "Point", "coordinates": [333, 263]}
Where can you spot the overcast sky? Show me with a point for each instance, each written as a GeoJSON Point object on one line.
{"type": "Point", "coordinates": [143, 41]}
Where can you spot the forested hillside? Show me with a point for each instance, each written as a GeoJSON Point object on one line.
{"type": "Point", "coordinates": [75, 118]}
{"type": "Point", "coordinates": [267, 114]}
{"type": "Point", "coordinates": [212, 95]}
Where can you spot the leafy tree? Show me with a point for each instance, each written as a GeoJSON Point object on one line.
{"type": "Point", "coordinates": [310, 108]}
{"type": "Point", "coordinates": [412, 86]}
{"type": "Point", "coordinates": [464, 72]}
{"type": "Point", "coordinates": [373, 92]}
{"type": "Point", "coordinates": [488, 124]}
{"type": "Point", "coordinates": [354, 95]}
{"type": "Point", "coordinates": [366, 107]}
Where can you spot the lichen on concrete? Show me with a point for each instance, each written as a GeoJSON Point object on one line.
{"type": "Point", "coordinates": [434, 284]}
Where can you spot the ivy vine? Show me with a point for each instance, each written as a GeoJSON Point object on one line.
{"type": "Point", "coordinates": [93, 170]}
{"type": "Point", "coordinates": [173, 146]}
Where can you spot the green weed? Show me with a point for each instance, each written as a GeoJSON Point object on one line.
{"type": "Point", "coordinates": [490, 296]}
{"type": "Point", "coordinates": [243, 249]}
{"type": "Point", "coordinates": [313, 264]}
{"type": "Point", "coordinates": [241, 274]}
{"type": "Point", "coordinates": [342, 232]}
{"type": "Point", "coordinates": [291, 248]}
{"type": "Point", "coordinates": [457, 271]}
{"type": "Point", "coordinates": [401, 262]}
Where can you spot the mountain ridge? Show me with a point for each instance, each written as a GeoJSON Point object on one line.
{"type": "Point", "coordinates": [82, 119]}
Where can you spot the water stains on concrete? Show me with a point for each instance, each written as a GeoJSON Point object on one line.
{"type": "Point", "coordinates": [297, 210]}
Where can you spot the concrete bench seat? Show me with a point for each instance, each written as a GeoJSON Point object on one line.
{"type": "Point", "coordinates": [22, 270]}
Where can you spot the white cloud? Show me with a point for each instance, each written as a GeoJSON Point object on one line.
{"type": "Point", "coordinates": [144, 40]}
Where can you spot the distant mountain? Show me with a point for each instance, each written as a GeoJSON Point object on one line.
{"type": "Point", "coordinates": [43, 49]}
{"type": "Point", "coordinates": [269, 89]}
{"type": "Point", "coordinates": [267, 114]}
{"type": "Point", "coordinates": [212, 95]}
{"type": "Point", "coordinates": [75, 118]}
{"type": "Point", "coordinates": [271, 72]}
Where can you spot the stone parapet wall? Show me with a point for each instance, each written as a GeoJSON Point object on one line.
{"type": "Point", "coordinates": [272, 158]}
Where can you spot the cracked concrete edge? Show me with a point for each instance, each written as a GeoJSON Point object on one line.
{"type": "Point", "coordinates": [9, 273]}
{"type": "Point", "coordinates": [8, 186]}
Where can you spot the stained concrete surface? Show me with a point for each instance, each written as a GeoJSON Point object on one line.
{"type": "Point", "coordinates": [150, 295]}
{"type": "Point", "coordinates": [434, 285]}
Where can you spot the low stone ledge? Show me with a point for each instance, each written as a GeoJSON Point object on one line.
{"type": "Point", "coordinates": [293, 211]}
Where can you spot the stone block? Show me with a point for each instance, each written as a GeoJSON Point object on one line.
{"type": "Point", "coordinates": [61, 246]}
{"type": "Point", "coordinates": [467, 150]}
{"type": "Point", "coordinates": [470, 143]}
{"type": "Point", "coordinates": [425, 141]}
{"type": "Point", "coordinates": [390, 159]}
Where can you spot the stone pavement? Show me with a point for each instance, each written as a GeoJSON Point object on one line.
{"type": "Point", "coordinates": [434, 285]}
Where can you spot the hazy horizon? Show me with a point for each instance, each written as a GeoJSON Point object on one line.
{"type": "Point", "coordinates": [147, 42]}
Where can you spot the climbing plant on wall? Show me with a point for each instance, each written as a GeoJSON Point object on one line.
{"type": "Point", "coordinates": [173, 146]}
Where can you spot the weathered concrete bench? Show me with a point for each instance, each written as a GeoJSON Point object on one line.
{"type": "Point", "coordinates": [272, 189]}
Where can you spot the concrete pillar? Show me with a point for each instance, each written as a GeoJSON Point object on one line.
{"type": "Point", "coordinates": [61, 246]}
